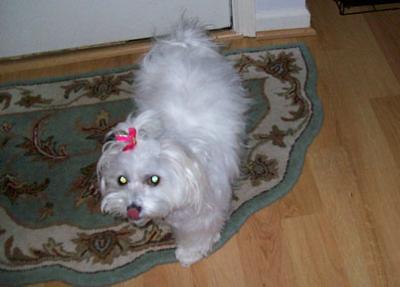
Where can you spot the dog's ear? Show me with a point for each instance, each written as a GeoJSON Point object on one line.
{"type": "Point", "coordinates": [192, 181]}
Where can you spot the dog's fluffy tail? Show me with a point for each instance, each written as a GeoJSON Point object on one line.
{"type": "Point", "coordinates": [189, 33]}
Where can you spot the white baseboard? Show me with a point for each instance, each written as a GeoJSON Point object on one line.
{"type": "Point", "coordinates": [282, 19]}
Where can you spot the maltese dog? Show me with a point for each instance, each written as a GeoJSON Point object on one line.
{"type": "Point", "coordinates": [176, 158]}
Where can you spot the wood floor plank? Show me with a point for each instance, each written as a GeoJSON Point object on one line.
{"type": "Point", "coordinates": [388, 38]}
{"type": "Point", "coordinates": [337, 32]}
{"type": "Point", "coordinates": [348, 218]}
{"type": "Point", "coordinates": [387, 111]}
{"type": "Point", "coordinates": [223, 268]}
{"type": "Point", "coordinates": [304, 199]}
{"type": "Point", "coordinates": [168, 275]}
{"type": "Point", "coordinates": [264, 261]}
{"type": "Point", "coordinates": [381, 196]}
{"type": "Point", "coordinates": [315, 255]}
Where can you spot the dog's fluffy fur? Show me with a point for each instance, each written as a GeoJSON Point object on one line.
{"type": "Point", "coordinates": [190, 124]}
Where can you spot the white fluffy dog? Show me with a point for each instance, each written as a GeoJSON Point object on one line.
{"type": "Point", "coordinates": [176, 158]}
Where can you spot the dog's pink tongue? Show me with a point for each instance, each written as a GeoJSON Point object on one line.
{"type": "Point", "coordinates": [133, 213]}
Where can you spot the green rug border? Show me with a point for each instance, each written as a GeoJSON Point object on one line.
{"type": "Point", "coordinates": [239, 217]}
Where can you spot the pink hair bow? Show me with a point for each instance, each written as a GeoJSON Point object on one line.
{"type": "Point", "coordinates": [129, 139]}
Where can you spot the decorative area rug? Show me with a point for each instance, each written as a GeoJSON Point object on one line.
{"type": "Point", "coordinates": [51, 132]}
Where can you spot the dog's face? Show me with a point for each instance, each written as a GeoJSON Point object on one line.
{"type": "Point", "coordinates": [151, 180]}
{"type": "Point", "coordinates": [135, 184]}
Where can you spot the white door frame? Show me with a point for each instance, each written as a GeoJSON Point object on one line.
{"type": "Point", "coordinates": [244, 17]}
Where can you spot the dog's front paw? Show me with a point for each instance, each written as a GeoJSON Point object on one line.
{"type": "Point", "coordinates": [216, 238]}
{"type": "Point", "coordinates": [188, 256]}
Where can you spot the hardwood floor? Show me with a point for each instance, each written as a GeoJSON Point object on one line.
{"type": "Point", "coordinates": [340, 226]}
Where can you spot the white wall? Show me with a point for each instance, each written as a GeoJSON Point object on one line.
{"type": "Point", "coordinates": [284, 14]}
{"type": "Point", "coordinates": [32, 26]}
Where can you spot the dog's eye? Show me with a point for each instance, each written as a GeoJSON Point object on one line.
{"type": "Point", "coordinates": [122, 180]}
{"type": "Point", "coordinates": [153, 180]}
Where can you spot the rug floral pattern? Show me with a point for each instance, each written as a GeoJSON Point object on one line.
{"type": "Point", "coordinates": [51, 133]}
